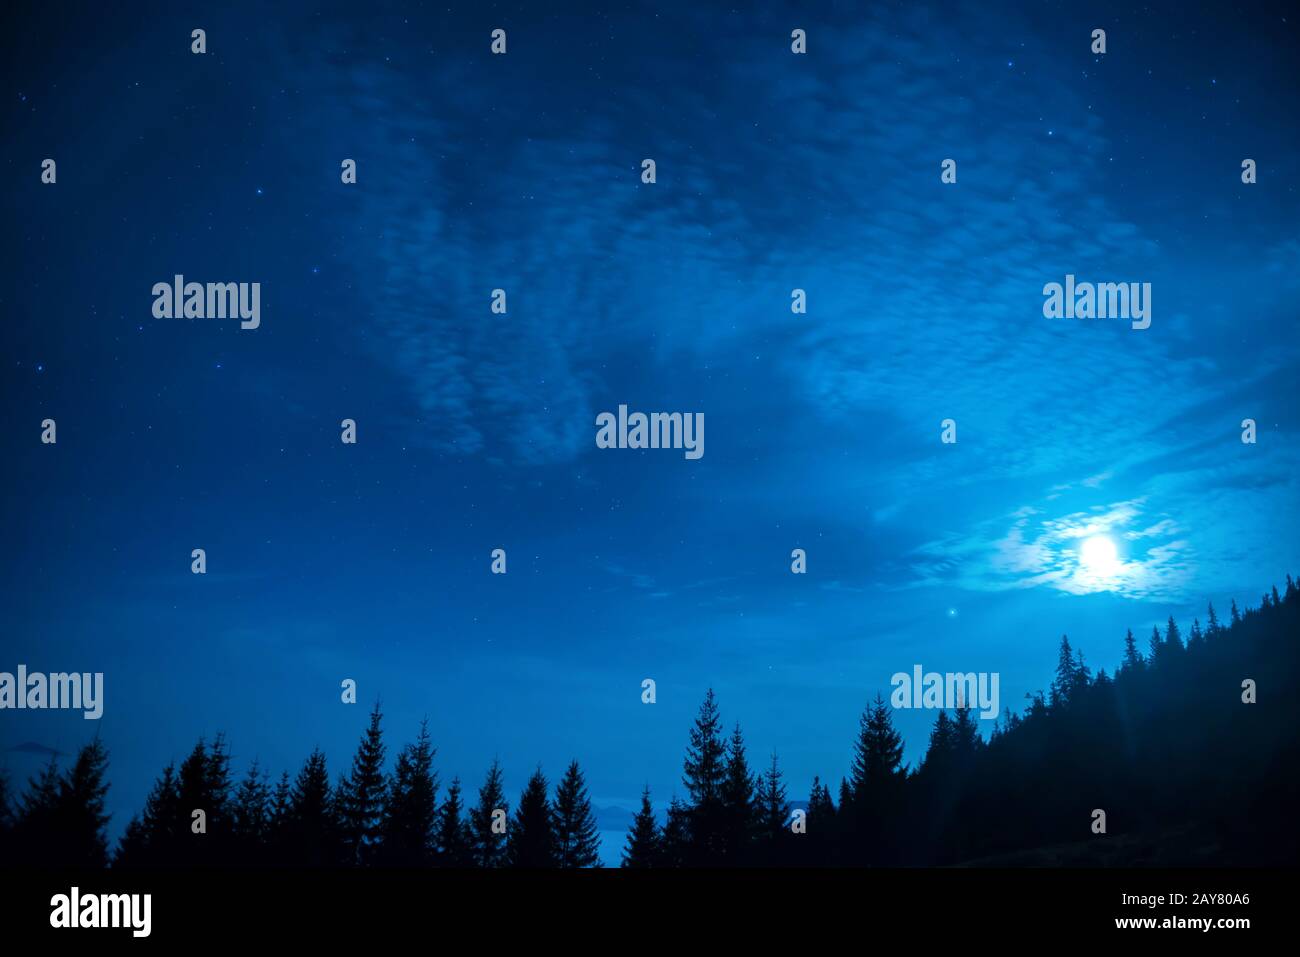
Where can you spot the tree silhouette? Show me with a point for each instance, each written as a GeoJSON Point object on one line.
{"type": "Point", "coordinates": [311, 834]}
{"type": "Point", "coordinates": [36, 826]}
{"type": "Point", "coordinates": [1154, 653]}
{"type": "Point", "coordinates": [675, 844]}
{"type": "Point", "coordinates": [943, 747]}
{"type": "Point", "coordinates": [877, 752]}
{"type": "Point", "coordinates": [79, 811]}
{"type": "Point", "coordinates": [1173, 637]}
{"type": "Point", "coordinates": [1067, 675]}
{"type": "Point", "coordinates": [577, 841]}
{"type": "Point", "coordinates": [875, 787]}
{"type": "Point", "coordinates": [360, 795]}
{"type": "Point", "coordinates": [251, 816]}
{"type": "Point", "coordinates": [410, 819]}
{"type": "Point", "coordinates": [966, 739]}
{"type": "Point", "coordinates": [739, 806]}
{"type": "Point", "coordinates": [489, 845]}
{"type": "Point", "coordinates": [277, 825]}
{"type": "Point", "coordinates": [704, 771]}
{"type": "Point", "coordinates": [1166, 745]}
{"type": "Point", "coordinates": [818, 844]}
{"type": "Point", "coordinates": [773, 813]}
{"type": "Point", "coordinates": [1212, 627]}
{"type": "Point", "coordinates": [1133, 660]}
{"type": "Point", "coordinates": [455, 848]}
{"type": "Point", "coordinates": [531, 841]}
{"type": "Point", "coordinates": [202, 784]}
{"type": "Point", "coordinates": [643, 837]}
{"type": "Point", "coordinates": [150, 840]}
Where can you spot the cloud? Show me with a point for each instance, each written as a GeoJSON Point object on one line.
{"type": "Point", "coordinates": [1038, 549]}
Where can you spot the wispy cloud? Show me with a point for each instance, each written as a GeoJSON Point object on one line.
{"type": "Point", "coordinates": [1042, 549]}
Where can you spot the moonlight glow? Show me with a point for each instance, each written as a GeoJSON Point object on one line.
{"type": "Point", "coordinates": [1098, 556]}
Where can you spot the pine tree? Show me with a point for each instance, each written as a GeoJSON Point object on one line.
{"type": "Point", "coordinates": [216, 772]}
{"type": "Point", "coordinates": [704, 772]}
{"type": "Point", "coordinates": [1236, 615]}
{"type": "Point", "coordinates": [1276, 600]}
{"type": "Point", "coordinates": [360, 796]}
{"type": "Point", "coordinates": [817, 844]}
{"type": "Point", "coordinates": [218, 840]}
{"type": "Point", "coordinates": [872, 797]}
{"type": "Point", "coordinates": [411, 811]}
{"type": "Point", "coordinates": [577, 839]}
{"type": "Point", "coordinates": [251, 815]}
{"type": "Point", "coordinates": [278, 822]}
{"type": "Point", "coordinates": [37, 825]}
{"type": "Point", "coordinates": [965, 735]}
{"type": "Point", "coordinates": [489, 844]}
{"type": "Point", "coordinates": [1132, 657]}
{"type": "Point", "coordinates": [1173, 637]}
{"type": "Point", "coordinates": [775, 809]}
{"type": "Point", "coordinates": [1082, 673]}
{"type": "Point", "coordinates": [313, 838]}
{"type": "Point", "coordinates": [454, 847]}
{"type": "Point", "coordinates": [1154, 644]}
{"type": "Point", "coordinates": [943, 746]}
{"type": "Point", "coordinates": [675, 843]}
{"type": "Point", "coordinates": [79, 811]}
{"type": "Point", "coordinates": [203, 784]}
{"type": "Point", "coordinates": [643, 837]}
{"type": "Point", "coordinates": [1064, 683]}
{"type": "Point", "coordinates": [877, 752]}
{"type": "Point", "coordinates": [738, 800]}
{"type": "Point", "coordinates": [150, 840]}
{"type": "Point", "coordinates": [531, 841]}
{"type": "Point", "coordinates": [1212, 627]}
{"type": "Point", "coordinates": [1037, 706]}
{"type": "Point", "coordinates": [192, 788]}
{"type": "Point", "coordinates": [1195, 637]}
{"type": "Point", "coordinates": [1291, 589]}
{"type": "Point", "coordinates": [822, 799]}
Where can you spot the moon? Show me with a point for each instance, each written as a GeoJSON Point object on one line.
{"type": "Point", "coordinates": [1099, 555]}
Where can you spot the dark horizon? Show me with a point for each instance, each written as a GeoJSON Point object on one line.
{"type": "Point", "coordinates": [1123, 735]}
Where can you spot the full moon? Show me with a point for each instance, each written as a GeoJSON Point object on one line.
{"type": "Point", "coordinates": [1098, 555]}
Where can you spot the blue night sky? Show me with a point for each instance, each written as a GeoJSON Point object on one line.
{"type": "Point", "coordinates": [476, 431]}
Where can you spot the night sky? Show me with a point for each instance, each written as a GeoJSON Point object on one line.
{"type": "Point", "coordinates": [476, 430]}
